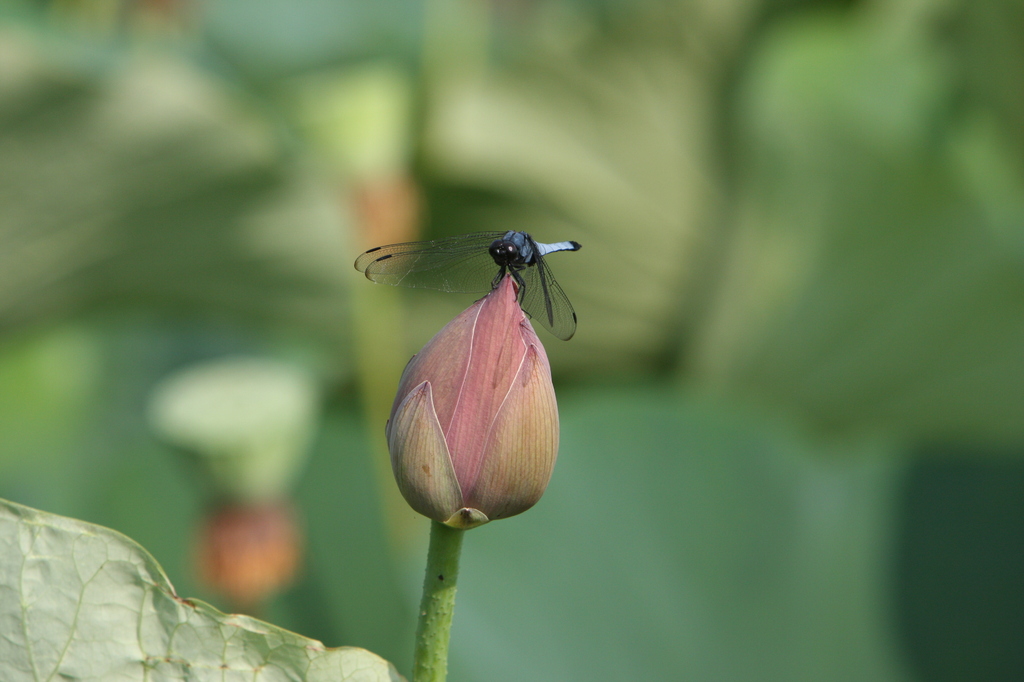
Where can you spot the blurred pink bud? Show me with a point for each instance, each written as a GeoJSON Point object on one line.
{"type": "Point", "coordinates": [473, 432]}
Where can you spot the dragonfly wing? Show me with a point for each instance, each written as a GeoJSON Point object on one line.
{"type": "Point", "coordinates": [457, 264]}
{"type": "Point", "coordinates": [544, 301]}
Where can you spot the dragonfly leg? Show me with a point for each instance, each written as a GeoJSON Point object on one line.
{"type": "Point", "coordinates": [497, 278]}
{"type": "Point", "coordinates": [520, 283]}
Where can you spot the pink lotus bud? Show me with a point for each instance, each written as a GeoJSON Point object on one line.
{"type": "Point", "coordinates": [473, 432]}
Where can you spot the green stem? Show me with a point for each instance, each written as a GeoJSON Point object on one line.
{"type": "Point", "coordinates": [430, 661]}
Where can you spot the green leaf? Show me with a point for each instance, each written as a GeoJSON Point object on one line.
{"type": "Point", "coordinates": [79, 601]}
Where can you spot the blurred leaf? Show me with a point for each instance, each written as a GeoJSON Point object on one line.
{"type": "Point", "coordinates": [85, 602]}
{"type": "Point", "coordinates": [245, 421]}
{"type": "Point", "coordinates": [866, 286]}
{"type": "Point", "coordinates": [271, 38]}
{"type": "Point", "coordinates": [47, 385]}
{"type": "Point", "coordinates": [988, 42]}
{"type": "Point", "coordinates": [130, 178]}
{"type": "Point", "coordinates": [682, 539]}
{"type": "Point", "coordinates": [361, 597]}
{"type": "Point", "coordinates": [958, 595]}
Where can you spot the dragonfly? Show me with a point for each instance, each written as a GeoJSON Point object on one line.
{"type": "Point", "coordinates": [476, 263]}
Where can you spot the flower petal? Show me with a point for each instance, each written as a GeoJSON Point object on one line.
{"type": "Point", "coordinates": [522, 445]}
{"type": "Point", "coordinates": [494, 359]}
{"type": "Point", "coordinates": [443, 362]}
{"type": "Point", "coordinates": [419, 457]}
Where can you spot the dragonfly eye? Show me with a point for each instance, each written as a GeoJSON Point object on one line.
{"type": "Point", "coordinates": [503, 251]}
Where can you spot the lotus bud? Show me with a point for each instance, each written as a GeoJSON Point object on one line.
{"type": "Point", "coordinates": [473, 432]}
{"type": "Point", "coordinates": [249, 552]}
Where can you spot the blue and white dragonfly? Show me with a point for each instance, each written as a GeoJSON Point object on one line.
{"type": "Point", "coordinates": [476, 263]}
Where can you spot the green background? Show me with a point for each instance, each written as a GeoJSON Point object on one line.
{"type": "Point", "coordinates": [792, 411]}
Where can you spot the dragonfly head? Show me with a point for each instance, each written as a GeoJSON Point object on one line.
{"type": "Point", "coordinates": [504, 251]}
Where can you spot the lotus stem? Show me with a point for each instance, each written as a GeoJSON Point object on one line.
{"type": "Point", "coordinates": [430, 660]}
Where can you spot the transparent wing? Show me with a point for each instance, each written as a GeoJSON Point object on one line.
{"type": "Point", "coordinates": [459, 264]}
{"type": "Point", "coordinates": [544, 301]}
